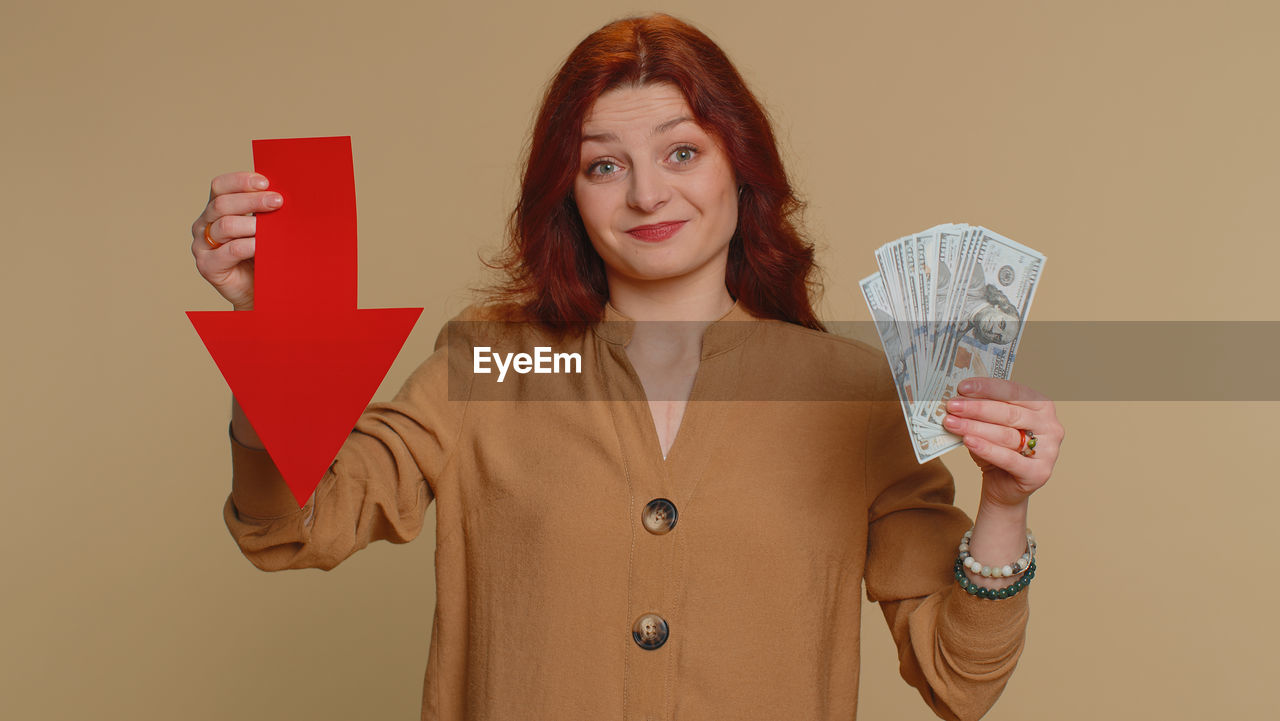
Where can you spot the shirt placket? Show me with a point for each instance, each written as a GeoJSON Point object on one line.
{"type": "Point", "coordinates": [660, 492]}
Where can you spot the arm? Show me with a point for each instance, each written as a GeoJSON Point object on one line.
{"type": "Point", "coordinates": [241, 430]}
{"type": "Point", "coordinates": [378, 488]}
{"type": "Point", "coordinates": [958, 650]}
{"type": "Point", "coordinates": [386, 473]}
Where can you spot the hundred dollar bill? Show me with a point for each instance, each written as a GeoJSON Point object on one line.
{"type": "Point", "coordinates": [950, 296]}
{"type": "Point", "coordinates": [949, 303]}
{"type": "Point", "coordinates": [896, 350]}
{"type": "Point", "coordinates": [945, 256]}
{"type": "Point", "coordinates": [926, 444]}
{"type": "Point", "coordinates": [981, 338]}
{"type": "Point", "coordinates": [893, 277]}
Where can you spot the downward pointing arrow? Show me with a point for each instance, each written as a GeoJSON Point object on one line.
{"type": "Point", "coordinates": [305, 362]}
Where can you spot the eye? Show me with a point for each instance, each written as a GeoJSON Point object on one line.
{"type": "Point", "coordinates": [602, 168]}
{"type": "Point", "coordinates": [683, 154]}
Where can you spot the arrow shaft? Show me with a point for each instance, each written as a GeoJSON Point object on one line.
{"type": "Point", "coordinates": [306, 251]}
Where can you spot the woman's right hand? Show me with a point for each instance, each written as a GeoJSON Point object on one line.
{"type": "Point", "coordinates": [233, 199]}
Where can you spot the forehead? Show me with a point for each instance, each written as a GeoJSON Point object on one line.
{"type": "Point", "coordinates": [632, 107]}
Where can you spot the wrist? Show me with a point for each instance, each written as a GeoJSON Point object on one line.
{"type": "Point", "coordinates": [989, 560]}
{"type": "Point", "coordinates": [1004, 513]}
{"type": "Point", "coordinates": [999, 537]}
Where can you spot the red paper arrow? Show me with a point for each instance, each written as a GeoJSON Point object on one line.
{"type": "Point", "coordinates": [305, 361]}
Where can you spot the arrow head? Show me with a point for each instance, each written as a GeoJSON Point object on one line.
{"type": "Point", "coordinates": [304, 379]}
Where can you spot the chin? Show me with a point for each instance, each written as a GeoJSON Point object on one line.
{"type": "Point", "coordinates": [649, 266]}
{"type": "Point", "coordinates": [656, 264]}
{"type": "Point", "coordinates": [654, 275]}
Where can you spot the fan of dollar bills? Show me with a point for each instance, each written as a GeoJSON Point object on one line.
{"type": "Point", "coordinates": [949, 303]}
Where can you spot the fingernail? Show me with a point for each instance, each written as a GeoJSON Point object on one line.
{"type": "Point", "coordinates": [968, 386]}
{"type": "Point", "coordinates": [955, 405]}
{"type": "Point", "coordinates": [971, 442]}
{"type": "Point", "coordinates": [275, 201]}
{"type": "Point", "coordinates": [260, 183]}
{"type": "Point", "coordinates": [951, 422]}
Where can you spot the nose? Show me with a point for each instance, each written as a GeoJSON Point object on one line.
{"type": "Point", "coordinates": [649, 189]}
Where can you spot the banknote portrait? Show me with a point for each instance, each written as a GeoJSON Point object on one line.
{"type": "Point", "coordinates": [993, 319]}
{"type": "Point", "coordinates": [987, 313]}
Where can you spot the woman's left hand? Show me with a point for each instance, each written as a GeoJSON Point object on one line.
{"type": "Point", "coordinates": [989, 414]}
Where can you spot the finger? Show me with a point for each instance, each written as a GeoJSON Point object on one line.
{"type": "Point", "coordinates": [998, 434]}
{"type": "Point", "coordinates": [221, 231]}
{"type": "Point", "coordinates": [242, 182]}
{"type": "Point", "coordinates": [996, 412]}
{"type": "Point", "coordinates": [239, 250]}
{"type": "Point", "coordinates": [230, 227]}
{"type": "Point", "coordinates": [214, 265]}
{"type": "Point", "coordinates": [1022, 468]}
{"type": "Point", "coordinates": [242, 204]}
{"type": "Point", "coordinates": [1001, 390]}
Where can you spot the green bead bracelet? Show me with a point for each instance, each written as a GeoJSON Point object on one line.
{"type": "Point", "coordinates": [993, 594]}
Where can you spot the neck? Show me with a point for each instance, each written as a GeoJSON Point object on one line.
{"type": "Point", "coordinates": [670, 300]}
{"type": "Point", "coordinates": [670, 325]}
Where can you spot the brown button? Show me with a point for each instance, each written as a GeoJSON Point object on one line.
{"type": "Point", "coordinates": [650, 631]}
{"type": "Point", "coordinates": [658, 516]}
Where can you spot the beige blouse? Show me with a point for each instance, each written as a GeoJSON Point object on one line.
{"type": "Point", "coordinates": [580, 575]}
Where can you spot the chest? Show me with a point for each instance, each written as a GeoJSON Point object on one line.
{"type": "Point", "coordinates": [561, 483]}
{"type": "Point", "coordinates": [667, 376]}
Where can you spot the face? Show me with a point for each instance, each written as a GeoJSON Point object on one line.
{"type": "Point", "coordinates": [995, 325]}
{"type": "Point", "coordinates": [656, 192]}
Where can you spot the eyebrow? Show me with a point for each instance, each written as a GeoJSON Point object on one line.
{"type": "Point", "coordinates": [658, 130]}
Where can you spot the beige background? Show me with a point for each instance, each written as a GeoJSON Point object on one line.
{"type": "Point", "coordinates": [1134, 143]}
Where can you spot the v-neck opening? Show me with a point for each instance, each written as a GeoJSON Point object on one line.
{"type": "Point", "coordinates": [655, 441]}
{"type": "Point", "coordinates": [719, 337]}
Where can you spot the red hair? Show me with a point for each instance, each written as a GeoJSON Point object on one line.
{"type": "Point", "coordinates": [554, 275]}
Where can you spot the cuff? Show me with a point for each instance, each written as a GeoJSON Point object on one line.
{"type": "Point", "coordinates": [985, 628]}
{"type": "Point", "coordinates": [257, 488]}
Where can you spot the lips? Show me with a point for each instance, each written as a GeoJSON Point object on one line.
{"type": "Point", "coordinates": [657, 231]}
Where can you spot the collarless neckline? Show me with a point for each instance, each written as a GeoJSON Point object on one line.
{"type": "Point", "coordinates": [724, 333]}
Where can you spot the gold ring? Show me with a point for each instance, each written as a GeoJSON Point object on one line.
{"type": "Point", "coordinates": [209, 239]}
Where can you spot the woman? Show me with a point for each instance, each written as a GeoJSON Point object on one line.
{"type": "Point", "coordinates": [651, 553]}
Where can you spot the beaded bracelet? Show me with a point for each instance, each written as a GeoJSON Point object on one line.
{"type": "Point", "coordinates": [994, 594]}
{"type": "Point", "coordinates": [1007, 570]}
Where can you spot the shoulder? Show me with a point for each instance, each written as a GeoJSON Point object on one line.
{"type": "Point", "coordinates": [490, 323]}
{"type": "Point", "coordinates": [823, 343]}
{"type": "Point", "coordinates": [815, 349]}
{"type": "Point", "coordinates": [822, 365]}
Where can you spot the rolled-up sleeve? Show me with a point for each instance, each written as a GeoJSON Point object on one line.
{"type": "Point", "coordinates": [958, 650]}
{"type": "Point", "coordinates": [378, 487]}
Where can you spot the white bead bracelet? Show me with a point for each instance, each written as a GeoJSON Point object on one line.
{"type": "Point", "coordinates": [1005, 571]}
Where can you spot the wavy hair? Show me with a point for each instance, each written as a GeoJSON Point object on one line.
{"type": "Point", "coordinates": [555, 277]}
